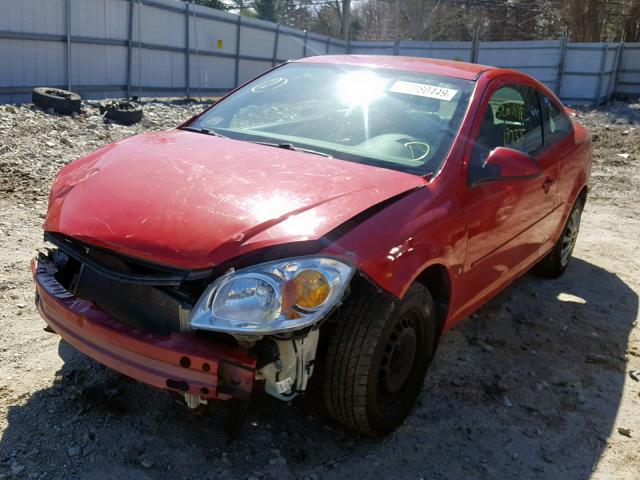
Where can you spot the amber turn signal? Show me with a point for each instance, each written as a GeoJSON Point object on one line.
{"type": "Point", "coordinates": [312, 289]}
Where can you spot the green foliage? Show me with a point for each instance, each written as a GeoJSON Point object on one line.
{"type": "Point", "coordinates": [218, 4]}
{"type": "Point", "coordinates": [267, 9]}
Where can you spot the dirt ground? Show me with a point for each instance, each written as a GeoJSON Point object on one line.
{"type": "Point", "coordinates": [541, 383]}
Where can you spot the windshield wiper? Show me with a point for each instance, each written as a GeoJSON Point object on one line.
{"type": "Point", "coordinates": [206, 131]}
{"type": "Point", "coordinates": [291, 146]}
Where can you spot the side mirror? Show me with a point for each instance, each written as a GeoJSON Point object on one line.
{"type": "Point", "coordinates": [508, 164]}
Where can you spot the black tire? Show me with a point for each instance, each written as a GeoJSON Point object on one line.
{"type": "Point", "coordinates": [377, 357]}
{"type": "Point", "coordinates": [557, 260]}
{"type": "Point", "coordinates": [61, 101]}
{"type": "Point", "coordinates": [124, 111]}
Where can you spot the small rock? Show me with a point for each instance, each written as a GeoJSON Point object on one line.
{"type": "Point", "coordinates": [73, 451]}
{"type": "Point", "coordinates": [506, 402]}
{"type": "Point", "coordinates": [279, 461]}
{"type": "Point", "coordinates": [146, 463]}
{"type": "Point", "coordinates": [485, 347]}
{"type": "Point", "coordinates": [623, 155]}
{"type": "Point", "coordinates": [539, 387]}
{"type": "Point", "coordinates": [16, 469]}
{"type": "Point", "coordinates": [21, 305]}
{"type": "Point", "coordinates": [635, 375]}
{"type": "Point", "coordinates": [624, 431]}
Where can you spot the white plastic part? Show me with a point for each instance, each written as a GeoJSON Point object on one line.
{"type": "Point", "coordinates": [290, 373]}
{"type": "Point", "coordinates": [194, 401]}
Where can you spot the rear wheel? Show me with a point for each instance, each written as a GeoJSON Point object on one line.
{"type": "Point", "coordinates": [377, 358]}
{"type": "Point", "coordinates": [556, 261]}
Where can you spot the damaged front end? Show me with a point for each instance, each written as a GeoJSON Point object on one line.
{"type": "Point", "coordinates": [198, 333]}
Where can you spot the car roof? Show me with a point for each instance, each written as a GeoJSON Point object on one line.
{"type": "Point", "coordinates": [447, 68]}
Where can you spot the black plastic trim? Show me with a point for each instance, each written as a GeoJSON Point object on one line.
{"type": "Point", "coordinates": [167, 277]}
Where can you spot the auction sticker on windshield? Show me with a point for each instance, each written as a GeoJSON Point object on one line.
{"type": "Point", "coordinates": [422, 90]}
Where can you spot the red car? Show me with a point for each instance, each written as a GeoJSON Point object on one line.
{"type": "Point", "coordinates": [336, 214]}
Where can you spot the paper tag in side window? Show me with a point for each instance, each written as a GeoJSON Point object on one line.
{"type": "Point", "coordinates": [422, 90]}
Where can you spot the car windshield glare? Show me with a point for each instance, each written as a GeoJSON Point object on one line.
{"type": "Point", "coordinates": [394, 119]}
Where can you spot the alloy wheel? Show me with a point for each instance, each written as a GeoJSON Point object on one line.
{"type": "Point", "coordinates": [570, 236]}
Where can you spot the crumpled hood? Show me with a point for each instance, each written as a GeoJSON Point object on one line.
{"type": "Point", "coordinates": [192, 201]}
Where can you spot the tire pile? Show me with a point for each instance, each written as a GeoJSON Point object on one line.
{"type": "Point", "coordinates": [125, 112]}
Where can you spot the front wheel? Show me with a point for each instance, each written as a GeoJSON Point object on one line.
{"type": "Point", "coordinates": [556, 261]}
{"type": "Point", "coordinates": [377, 358]}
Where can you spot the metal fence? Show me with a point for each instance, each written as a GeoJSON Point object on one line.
{"type": "Point", "coordinates": [111, 48]}
{"type": "Point", "coordinates": [115, 48]}
{"type": "Point", "coordinates": [580, 72]}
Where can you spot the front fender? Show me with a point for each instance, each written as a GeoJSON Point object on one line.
{"type": "Point", "coordinates": [394, 246]}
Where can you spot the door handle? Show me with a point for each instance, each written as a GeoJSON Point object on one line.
{"type": "Point", "coordinates": [548, 182]}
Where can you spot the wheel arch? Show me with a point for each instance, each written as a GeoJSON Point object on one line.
{"type": "Point", "coordinates": [437, 280]}
{"type": "Point", "coordinates": [582, 195]}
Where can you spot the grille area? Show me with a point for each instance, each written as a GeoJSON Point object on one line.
{"type": "Point", "coordinates": [141, 306]}
{"type": "Point", "coordinates": [138, 294]}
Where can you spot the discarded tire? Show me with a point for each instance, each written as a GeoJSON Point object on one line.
{"type": "Point", "coordinates": [61, 101]}
{"type": "Point", "coordinates": [122, 111]}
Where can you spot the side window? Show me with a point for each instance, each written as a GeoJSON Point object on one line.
{"type": "Point", "coordinates": [512, 119]}
{"type": "Point", "coordinates": [557, 124]}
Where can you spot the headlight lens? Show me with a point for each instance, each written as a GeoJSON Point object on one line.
{"type": "Point", "coordinates": [254, 298]}
{"type": "Point", "coordinates": [272, 297]}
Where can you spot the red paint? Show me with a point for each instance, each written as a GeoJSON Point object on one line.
{"type": "Point", "coordinates": [191, 200]}
{"type": "Point", "coordinates": [513, 164]}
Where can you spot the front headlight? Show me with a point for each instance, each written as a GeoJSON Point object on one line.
{"type": "Point", "coordinates": [272, 297]}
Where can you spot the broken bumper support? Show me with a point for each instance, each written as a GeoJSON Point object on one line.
{"type": "Point", "coordinates": [180, 362]}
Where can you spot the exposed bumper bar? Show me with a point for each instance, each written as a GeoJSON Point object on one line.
{"type": "Point", "coordinates": [180, 362]}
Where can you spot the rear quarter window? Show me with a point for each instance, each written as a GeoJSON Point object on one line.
{"type": "Point", "coordinates": [557, 123]}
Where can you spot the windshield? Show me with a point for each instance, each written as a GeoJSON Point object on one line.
{"type": "Point", "coordinates": [394, 119]}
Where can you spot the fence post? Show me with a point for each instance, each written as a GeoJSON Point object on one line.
{"type": "Point", "coordinates": [563, 55]}
{"type": "Point", "coordinates": [475, 45]}
{"type": "Point", "coordinates": [274, 59]}
{"type": "Point", "coordinates": [328, 44]}
{"type": "Point", "coordinates": [68, 54]}
{"type": "Point", "coordinates": [306, 41]}
{"type": "Point", "coordinates": [616, 73]}
{"type": "Point", "coordinates": [130, 49]}
{"type": "Point", "coordinates": [348, 46]}
{"type": "Point", "coordinates": [187, 59]}
{"type": "Point", "coordinates": [396, 46]}
{"type": "Point", "coordinates": [237, 71]}
{"type": "Point", "coordinates": [603, 59]}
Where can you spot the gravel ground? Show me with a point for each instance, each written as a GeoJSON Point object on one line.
{"type": "Point", "coordinates": [541, 383]}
